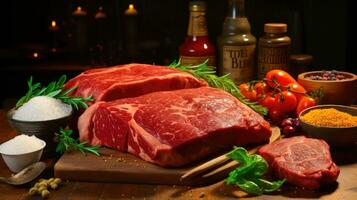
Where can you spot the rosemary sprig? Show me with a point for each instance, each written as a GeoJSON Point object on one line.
{"type": "Point", "coordinates": [208, 73]}
{"type": "Point", "coordinates": [67, 143]}
{"type": "Point", "coordinates": [55, 90]}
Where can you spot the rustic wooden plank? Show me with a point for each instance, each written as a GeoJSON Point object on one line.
{"type": "Point", "coordinates": [115, 166]}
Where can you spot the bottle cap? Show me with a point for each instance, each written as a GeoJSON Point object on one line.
{"type": "Point", "coordinates": [275, 28]}
{"type": "Point", "coordinates": [197, 6]}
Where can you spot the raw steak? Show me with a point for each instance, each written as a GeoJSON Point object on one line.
{"type": "Point", "coordinates": [131, 80]}
{"type": "Point", "coordinates": [173, 128]}
{"type": "Point", "coordinates": [304, 162]}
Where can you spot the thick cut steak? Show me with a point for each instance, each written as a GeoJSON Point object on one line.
{"type": "Point", "coordinates": [131, 80]}
{"type": "Point", "coordinates": [173, 128]}
{"type": "Point", "coordinates": [304, 162]}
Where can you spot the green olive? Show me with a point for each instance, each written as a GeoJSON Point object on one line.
{"type": "Point", "coordinates": [42, 184]}
{"type": "Point", "coordinates": [40, 189]}
{"type": "Point", "coordinates": [58, 181]}
{"type": "Point", "coordinates": [33, 191]}
{"type": "Point", "coordinates": [45, 194]}
{"type": "Point", "coordinates": [54, 186]}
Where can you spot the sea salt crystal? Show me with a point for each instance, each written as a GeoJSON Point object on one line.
{"type": "Point", "coordinates": [21, 144]}
{"type": "Point", "coordinates": [42, 108]}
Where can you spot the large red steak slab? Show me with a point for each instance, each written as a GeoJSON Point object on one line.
{"type": "Point", "coordinates": [173, 128]}
{"type": "Point", "coordinates": [131, 80]}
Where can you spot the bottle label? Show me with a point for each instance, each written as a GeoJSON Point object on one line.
{"type": "Point", "coordinates": [193, 60]}
{"type": "Point", "coordinates": [238, 61]}
{"type": "Point", "coordinates": [197, 25]}
{"type": "Point", "coordinates": [272, 58]}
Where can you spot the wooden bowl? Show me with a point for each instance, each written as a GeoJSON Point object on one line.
{"type": "Point", "coordinates": [334, 136]}
{"type": "Point", "coordinates": [343, 92]}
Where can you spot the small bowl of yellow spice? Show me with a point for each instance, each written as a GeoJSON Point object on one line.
{"type": "Point", "coordinates": [336, 124]}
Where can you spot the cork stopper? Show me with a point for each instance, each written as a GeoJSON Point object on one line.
{"type": "Point", "coordinates": [275, 28]}
{"type": "Point", "coordinates": [197, 6]}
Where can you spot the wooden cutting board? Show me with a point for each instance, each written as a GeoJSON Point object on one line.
{"type": "Point", "coordinates": [115, 166]}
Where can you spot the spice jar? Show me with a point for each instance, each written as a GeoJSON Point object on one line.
{"type": "Point", "coordinates": [299, 63]}
{"type": "Point", "coordinates": [273, 49]}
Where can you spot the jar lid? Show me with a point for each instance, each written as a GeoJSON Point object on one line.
{"type": "Point", "coordinates": [301, 59]}
{"type": "Point", "coordinates": [197, 6]}
{"type": "Point", "coordinates": [275, 28]}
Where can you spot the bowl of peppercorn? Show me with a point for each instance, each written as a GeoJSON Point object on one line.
{"type": "Point", "coordinates": [338, 87]}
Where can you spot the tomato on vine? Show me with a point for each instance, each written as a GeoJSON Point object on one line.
{"type": "Point", "coordinates": [279, 76]}
{"type": "Point", "coordinates": [277, 115]}
{"type": "Point", "coordinates": [248, 92]}
{"type": "Point", "coordinates": [305, 102]}
{"type": "Point", "coordinates": [261, 88]}
{"type": "Point", "coordinates": [267, 100]}
{"type": "Point", "coordinates": [286, 101]}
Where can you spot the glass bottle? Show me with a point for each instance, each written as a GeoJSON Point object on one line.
{"type": "Point", "coordinates": [273, 49]}
{"type": "Point", "coordinates": [237, 45]}
{"type": "Point", "coordinates": [197, 48]}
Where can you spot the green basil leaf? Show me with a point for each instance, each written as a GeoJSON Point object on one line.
{"type": "Point", "coordinates": [240, 155]}
{"type": "Point", "coordinates": [261, 166]}
{"type": "Point", "coordinates": [250, 187]}
{"type": "Point", "coordinates": [268, 186]}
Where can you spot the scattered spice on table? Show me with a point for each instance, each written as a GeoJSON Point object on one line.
{"type": "Point", "coordinates": [330, 117]}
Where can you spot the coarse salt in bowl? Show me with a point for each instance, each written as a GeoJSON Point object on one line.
{"type": "Point", "coordinates": [42, 108]}
{"type": "Point", "coordinates": [41, 116]}
{"type": "Point", "coordinates": [21, 151]}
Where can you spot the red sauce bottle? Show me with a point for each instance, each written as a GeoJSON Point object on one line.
{"type": "Point", "coordinates": [197, 48]}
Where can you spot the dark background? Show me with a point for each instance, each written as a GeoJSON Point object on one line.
{"type": "Point", "coordinates": [322, 28]}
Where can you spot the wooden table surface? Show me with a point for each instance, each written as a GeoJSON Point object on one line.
{"type": "Point", "coordinates": [345, 188]}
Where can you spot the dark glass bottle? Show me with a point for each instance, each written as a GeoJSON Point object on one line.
{"type": "Point", "coordinates": [237, 45]}
{"type": "Point", "coordinates": [197, 48]}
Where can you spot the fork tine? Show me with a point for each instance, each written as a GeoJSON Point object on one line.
{"type": "Point", "coordinates": [205, 166]}
{"type": "Point", "coordinates": [229, 166]}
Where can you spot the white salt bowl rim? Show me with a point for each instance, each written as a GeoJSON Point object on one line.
{"type": "Point", "coordinates": [43, 144]}
{"type": "Point", "coordinates": [12, 111]}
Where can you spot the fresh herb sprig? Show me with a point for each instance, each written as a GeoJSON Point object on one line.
{"type": "Point", "coordinates": [208, 73]}
{"type": "Point", "coordinates": [67, 143]}
{"type": "Point", "coordinates": [249, 175]}
{"type": "Point", "coordinates": [55, 90]}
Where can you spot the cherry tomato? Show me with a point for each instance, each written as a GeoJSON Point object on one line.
{"type": "Point", "coordinates": [277, 115]}
{"type": "Point", "coordinates": [286, 101]}
{"type": "Point", "coordinates": [261, 88]}
{"type": "Point", "coordinates": [297, 89]}
{"type": "Point", "coordinates": [249, 93]}
{"type": "Point", "coordinates": [267, 100]}
{"type": "Point", "coordinates": [305, 102]}
{"type": "Point", "coordinates": [280, 76]}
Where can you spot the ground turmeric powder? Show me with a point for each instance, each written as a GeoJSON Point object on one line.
{"type": "Point", "coordinates": [329, 117]}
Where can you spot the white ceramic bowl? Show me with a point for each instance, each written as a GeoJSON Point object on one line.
{"type": "Point", "coordinates": [17, 162]}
